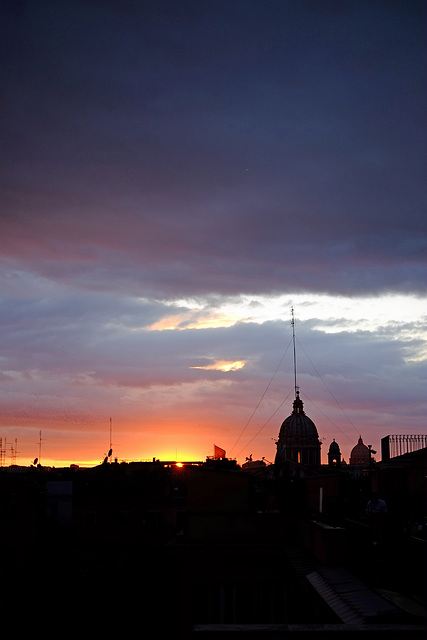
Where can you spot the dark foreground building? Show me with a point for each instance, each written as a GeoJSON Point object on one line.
{"type": "Point", "coordinates": [207, 549]}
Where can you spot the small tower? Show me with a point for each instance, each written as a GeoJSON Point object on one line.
{"type": "Point", "coordinates": [334, 455]}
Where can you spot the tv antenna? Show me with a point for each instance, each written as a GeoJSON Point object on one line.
{"type": "Point", "coordinates": [14, 452]}
{"type": "Point", "coordinates": [2, 451]}
{"type": "Point", "coordinates": [296, 388]}
{"type": "Point", "coordinates": [39, 459]}
{"type": "Point", "coordinates": [110, 450]}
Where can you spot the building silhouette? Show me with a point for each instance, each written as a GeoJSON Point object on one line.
{"type": "Point", "coordinates": [210, 547]}
{"type": "Point", "coordinates": [298, 442]}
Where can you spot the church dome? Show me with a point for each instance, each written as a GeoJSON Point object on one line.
{"type": "Point", "coordinates": [359, 453]}
{"type": "Point", "coordinates": [298, 438]}
{"type": "Point", "coordinates": [298, 424]}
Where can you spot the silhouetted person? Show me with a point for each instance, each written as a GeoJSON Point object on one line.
{"type": "Point", "coordinates": [376, 511]}
{"type": "Point", "coordinates": [376, 507]}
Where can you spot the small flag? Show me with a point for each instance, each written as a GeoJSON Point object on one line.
{"type": "Point", "coordinates": [218, 452]}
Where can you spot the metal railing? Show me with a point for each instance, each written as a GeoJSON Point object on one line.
{"type": "Point", "coordinates": [397, 445]}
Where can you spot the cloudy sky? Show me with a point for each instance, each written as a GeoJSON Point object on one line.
{"type": "Point", "coordinates": [176, 176]}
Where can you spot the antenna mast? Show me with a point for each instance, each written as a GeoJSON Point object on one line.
{"type": "Point", "coordinates": [41, 440]}
{"type": "Point", "coordinates": [295, 353]}
{"type": "Point", "coordinates": [110, 451]}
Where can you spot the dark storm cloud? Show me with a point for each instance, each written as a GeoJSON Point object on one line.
{"type": "Point", "coordinates": [169, 149]}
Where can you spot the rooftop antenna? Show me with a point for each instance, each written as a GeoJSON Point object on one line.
{"type": "Point", "coordinates": [14, 452]}
{"type": "Point", "coordinates": [2, 451]}
{"type": "Point", "coordinates": [39, 459]}
{"type": "Point", "coordinates": [110, 451]}
{"type": "Point", "coordinates": [295, 353]}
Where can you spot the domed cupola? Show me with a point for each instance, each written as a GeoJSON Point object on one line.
{"type": "Point", "coordinates": [334, 455]}
{"type": "Point", "coordinates": [360, 453]}
{"type": "Point", "coordinates": [298, 438]}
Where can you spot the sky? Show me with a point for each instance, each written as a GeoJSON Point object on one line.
{"type": "Point", "coordinates": [176, 177]}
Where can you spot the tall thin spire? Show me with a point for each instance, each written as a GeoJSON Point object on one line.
{"type": "Point", "coordinates": [295, 353]}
